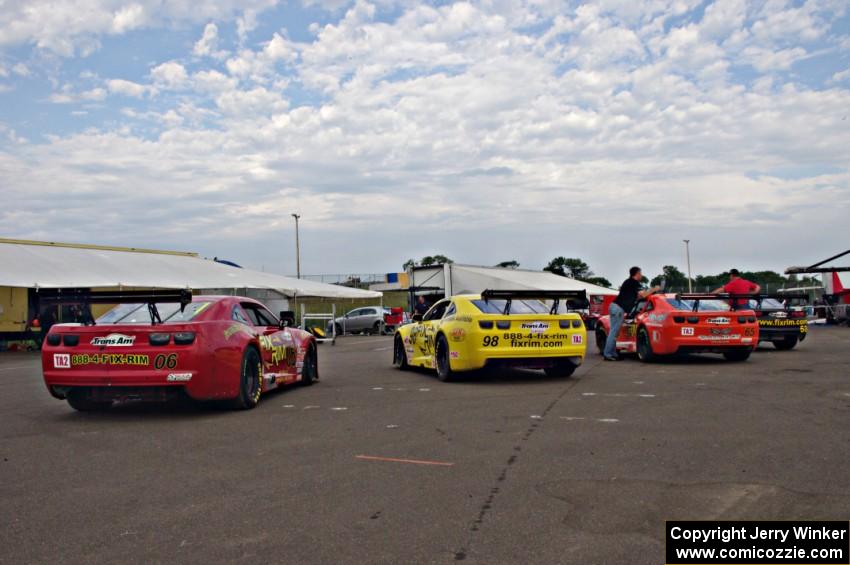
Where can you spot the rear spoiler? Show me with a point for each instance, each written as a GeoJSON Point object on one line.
{"type": "Point", "coordinates": [86, 297]}
{"type": "Point", "coordinates": [698, 296]}
{"type": "Point", "coordinates": [554, 295]}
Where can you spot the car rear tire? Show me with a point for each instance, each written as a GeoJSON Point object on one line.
{"type": "Point", "coordinates": [338, 329]}
{"type": "Point", "coordinates": [786, 344]}
{"type": "Point", "coordinates": [376, 328]}
{"type": "Point", "coordinates": [644, 347]}
{"type": "Point", "coordinates": [738, 355]}
{"type": "Point", "coordinates": [441, 352]}
{"type": "Point", "coordinates": [310, 369]}
{"type": "Point", "coordinates": [399, 355]}
{"type": "Point", "coordinates": [78, 400]}
{"type": "Point", "coordinates": [562, 370]}
{"type": "Point", "coordinates": [601, 338]}
{"type": "Point", "coordinates": [250, 381]}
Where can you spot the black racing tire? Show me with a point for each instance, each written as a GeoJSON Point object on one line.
{"type": "Point", "coordinates": [601, 338]}
{"type": "Point", "coordinates": [250, 380]}
{"type": "Point", "coordinates": [399, 355]}
{"type": "Point", "coordinates": [738, 355]}
{"type": "Point", "coordinates": [79, 401]}
{"type": "Point", "coordinates": [562, 370]}
{"type": "Point", "coordinates": [310, 368]}
{"type": "Point", "coordinates": [442, 358]}
{"type": "Point", "coordinates": [644, 347]}
{"type": "Point", "coordinates": [376, 328]}
{"type": "Point", "coordinates": [786, 343]}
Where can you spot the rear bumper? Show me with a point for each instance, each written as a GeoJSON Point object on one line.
{"type": "Point", "coordinates": [531, 362]}
{"type": "Point", "coordinates": [532, 358]}
{"type": "Point", "coordinates": [149, 384]}
{"type": "Point", "coordinates": [775, 333]}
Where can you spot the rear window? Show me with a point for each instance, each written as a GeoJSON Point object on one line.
{"type": "Point", "coordinates": [767, 304]}
{"type": "Point", "coordinates": [138, 313]}
{"type": "Point", "coordinates": [517, 306]}
{"type": "Point", "coordinates": [704, 305]}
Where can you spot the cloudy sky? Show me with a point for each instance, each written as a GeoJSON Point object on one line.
{"type": "Point", "coordinates": [487, 131]}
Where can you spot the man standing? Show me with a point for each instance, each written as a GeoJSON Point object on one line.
{"type": "Point", "coordinates": [737, 285]}
{"type": "Point", "coordinates": [630, 290]}
{"type": "Point", "coordinates": [421, 306]}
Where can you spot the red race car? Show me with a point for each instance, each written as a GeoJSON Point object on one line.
{"type": "Point", "coordinates": [208, 347]}
{"type": "Point", "coordinates": [668, 324]}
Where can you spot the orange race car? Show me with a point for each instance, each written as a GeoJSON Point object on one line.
{"type": "Point", "coordinates": [669, 324]}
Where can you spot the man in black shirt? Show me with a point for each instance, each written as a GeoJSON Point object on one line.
{"type": "Point", "coordinates": [630, 291]}
{"type": "Point", "coordinates": [421, 306]}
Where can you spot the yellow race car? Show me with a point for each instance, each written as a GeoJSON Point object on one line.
{"type": "Point", "coordinates": [498, 328]}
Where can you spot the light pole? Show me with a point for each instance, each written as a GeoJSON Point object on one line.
{"type": "Point", "coordinates": [297, 247]}
{"type": "Point", "coordinates": [688, 256]}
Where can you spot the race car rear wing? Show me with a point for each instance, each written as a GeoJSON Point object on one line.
{"type": "Point", "coordinates": [554, 295]}
{"type": "Point", "coordinates": [699, 296]}
{"type": "Point", "coordinates": [85, 297]}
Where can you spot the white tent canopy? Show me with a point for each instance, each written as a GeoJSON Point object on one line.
{"type": "Point", "coordinates": [37, 265]}
{"type": "Point", "coordinates": [469, 278]}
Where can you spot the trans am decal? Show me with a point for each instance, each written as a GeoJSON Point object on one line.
{"type": "Point", "coordinates": [114, 340]}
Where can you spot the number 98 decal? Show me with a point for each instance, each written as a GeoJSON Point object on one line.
{"type": "Point", "coordinates": [165, 361]}
{"type": "Point", "coordinates": [491, 341]}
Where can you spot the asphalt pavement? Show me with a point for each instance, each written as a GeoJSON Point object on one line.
{"type": "Point", "coordinates": [377, 465]}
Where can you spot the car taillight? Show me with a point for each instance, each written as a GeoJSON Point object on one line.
{"type": "Point", "coordinates": [679, 319]}
{"type": "Point", "coordinates": [184, 338]}
{"type": "Point", "coordinates": [798, 314]}
{"type": "Point", "coordinates": [751, 319]}
{"type": "Point", "coordinates": [576, 323]}
{"type": "Point", "coordinates": [54, 339]}
{"type": "Point", "coordinates": [742, 319]}
{"type": "Point", "coordinates": [503, 324]}
{"type": "Point", "coordinates": [159, 338]}
{"type": "Point", "coordinates": [485, 324]}
{"type": "Point", "coordinates": [693, 319]}
{"type": "Point", "coordinates": [71, 339]}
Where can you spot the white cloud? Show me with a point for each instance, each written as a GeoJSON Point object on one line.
{"type": "Point", "coordinates": [69, 27]}
{"type": "Point", "coordinates": [171, 75]}
{"type": "Point", "coordinates": [484, 118]}
{"type": "Point", "coordinates": [126, 88]}
{"type": "Point", "coordinates": [207, 45]}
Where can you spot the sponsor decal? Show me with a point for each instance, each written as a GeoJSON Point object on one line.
{"type": "Point", "coordinates": [236, 328]}
{"type": "Point", "coordinates": [732, 337]}
{"type": "Point", "coordinates": [61, 360]}
{"type": "Point", "coordinates": [279, 351]}
{"type": "Point", "coordinates": [111, 359]}
{"type": "Point", "coordinates": [114, 340]}
{"type": "Point", "coordinates": [179, 377]}
{"type": "Point", "coordinates": [464, 318]}
{"type": "Point", "coordinates": [454, 354]}
{"type": "Point", "coordinates": [656, 317]}
{"type": "Point", "coordinates": [458, 334]}
{"type": "Point", "coordinates": [577, 339]}
{"type": "Point", "coordinates": [783, 323]}
{"type": "Point", "coordinates": [656, 336]}
{"type": "Point", "coordinates": [687, 331]}
{"type": "Point", "coordinates": [718, 320]}
{"type": "Point", "coordinates": [778, 315]}
{"type": "Point", "coordinates": [534, 327]}
{"type": "Point", "coordinates": [720, 331]}
{"type": "Point", "coordinates": [746, 340]}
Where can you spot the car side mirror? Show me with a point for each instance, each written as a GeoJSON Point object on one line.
{"type": "Point", "coordinates": [417, 318]}
{"type": "Point", "coordinates": [287, 318]}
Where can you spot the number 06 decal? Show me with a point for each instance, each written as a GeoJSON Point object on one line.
{"type": "Point", "coordinates": [163, 361]}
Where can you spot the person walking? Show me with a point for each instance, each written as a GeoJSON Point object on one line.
{"type": "Point", "coordinates": [738, 285]}
{"type": "Point", "coordinates": [630, 291]}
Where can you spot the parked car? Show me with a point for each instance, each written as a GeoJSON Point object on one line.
{"type": "Point", "coordinates": [368, 319]}
{"type": "Point", "coordinates": [157, 344]}
{"type": "Point", "coordinates": [669, 324]}
{"type": "Point", "coordinates": [780, 324]}
{"type": "Point", "coordinates": [497, 328]}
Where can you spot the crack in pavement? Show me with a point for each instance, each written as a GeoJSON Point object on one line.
{"type": "Point", "coordinates": [495, 489]}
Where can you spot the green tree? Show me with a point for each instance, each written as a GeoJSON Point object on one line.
{"type": "Point", "coordinates": [601, 281]}
{"type": "Point", "coordinates": [409, 264]}
{"type": "Point", "coordinates": [569, 267]}
{"type": "Point", "coordinates": [512, 264]}
{"type": "Point", "coordinates": [674, 277]}
{"type": "Point", "coordinates": [427, 261]}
